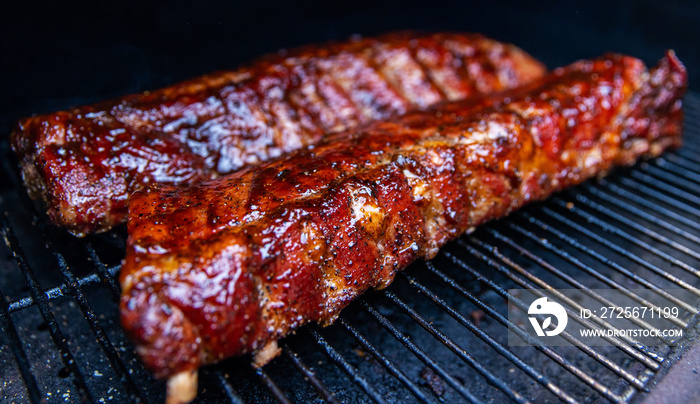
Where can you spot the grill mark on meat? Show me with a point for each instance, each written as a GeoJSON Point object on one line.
{"type": "Point", "coordinates": [405, 76]}
{"type": "Point", "coordinates": [287, 133]}
{"type": "Point", "coordinates": [463, 57]}
{"type": "Point", "coordinates": [336, 110]}
{"type": "Point", "coordinates": [443, 71]}
{"type": "Point", "coordinates": [338, 94]}
{"type": "Point", "coordinates": [306, 97]}
{"type": "Point", "coordinates": [245, 130]}
{"type": "Point", "coordinates": [341, 110]}
{"type": "Point", "coordinates": [397, 100]}
{"type": "Point", "coordinates": [305, 119]}
{"type": "Point", "coordinates": [428, 72]}
{"type": "Point", "coordinates": [366, 86]}
{"type": "Point", "coordinates": [267, 94]}
{"type": "Point", "coordinates": [301, 236]}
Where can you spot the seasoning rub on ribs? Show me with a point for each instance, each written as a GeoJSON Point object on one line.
{"type": "Point", "coordinates": [84, 163]}
{"type": "Point", "coordinates": [231, 265]}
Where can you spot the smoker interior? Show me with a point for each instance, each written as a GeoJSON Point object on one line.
{"type": "Point", "coordinates": [437, 334]}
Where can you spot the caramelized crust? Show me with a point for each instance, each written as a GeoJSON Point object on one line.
{"type": "Point", "coordinates": [232, 264]}
{"type": "Point", "coordinates": [84, 163]}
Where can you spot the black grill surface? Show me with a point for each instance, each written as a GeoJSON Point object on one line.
{"type": "Point", "coordinates": [438, 334]}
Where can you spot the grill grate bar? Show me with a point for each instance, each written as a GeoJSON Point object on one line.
{"type": "Point", "coordinates": [45, 310]}
{"type": "Point", "coordinates": [390, 366]}
{"type": "Point", "coordinates": [58, 291]}
{"type": "Point", "coordinates": [620, 250]}
{"type": "Point", "coordinates": [660, 174]}
{"type": "Point", "coordinates": [277, 393]}
{"type": "Point", "coordinates": [418, 352]}
{"type": "Point", "coordinates": [72, 286]}
{"type": "Point", "coordinates": [501, 349]}
{"type": "Point", "coordinates": [108, 276]}
{"type": "Point", "coordinates": [647, 179]}
{"type": "Point", "coordinates": [674, 158]}
{"type": "Point", "coordinates": [321, 388]}
{"type": "Point", "coordinates": [351, 371]}
{"type": "Point", "coordinates": [449, 343]}
{"type": "Point", "coordinates": [640, 213]}
{"type": "Point", "coordinates": [628, 346]}
{"type": "Point", "coordinates": [233, 397]}
{"type": "Point", "coordinates": [553, 355]}
{"type": "Point", "coordinates": [636, 186]}
{"type": "Point", "coordinates": [617, 231]}
{"type": "Point", "coordinates": [74, 289]}
{"type": "Point", "coordinates": [627, 195]}
{"type": "Point", "coordinates": [8, 328]}
{"type": "Point", "coordinates": [568, 278]}
{"type": "Point", "coordinates": [642, 229]}
{"type": "Point", "coordinates": [89, 314]}
{"type": "Point", "coordinates": [691, 126]}
{"type": "Point", "coordinates": [612, 264]}
{"type": "Point", "coordinates": [675, 169]}
{"type": "Point", "coordinates": [688, 154]}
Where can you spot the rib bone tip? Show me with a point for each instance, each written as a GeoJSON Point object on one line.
{"type": "Point", "coordinates": [182, 387]}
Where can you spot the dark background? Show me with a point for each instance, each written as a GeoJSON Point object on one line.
{"type": "Point", "coordinates": [62, 53]}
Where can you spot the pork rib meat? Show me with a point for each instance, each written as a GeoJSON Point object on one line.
{"type": "Point", "coordinates": [231, 265]}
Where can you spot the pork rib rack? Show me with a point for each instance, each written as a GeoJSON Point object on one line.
{"type": "Point", "coordinates": [231, 265]}
{"type": "Point", "coordinates": [84, 163]}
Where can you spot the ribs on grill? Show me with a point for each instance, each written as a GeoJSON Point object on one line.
{"type": "Point", "coordinates": [84, 163]}
{"type": "Point", "coordinates": [231, 265]}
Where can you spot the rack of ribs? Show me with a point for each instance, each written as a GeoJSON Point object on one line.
{"type": "Point", "coordinates": [231, 265]}
{"type": "Point", "coordinates": [84, 163]}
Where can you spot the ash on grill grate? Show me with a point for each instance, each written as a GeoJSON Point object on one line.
{"type": "Point", "coordinates": [438, 334]}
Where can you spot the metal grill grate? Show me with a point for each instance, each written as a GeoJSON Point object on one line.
{"type": "Point", "coordinates": [439, 333]}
